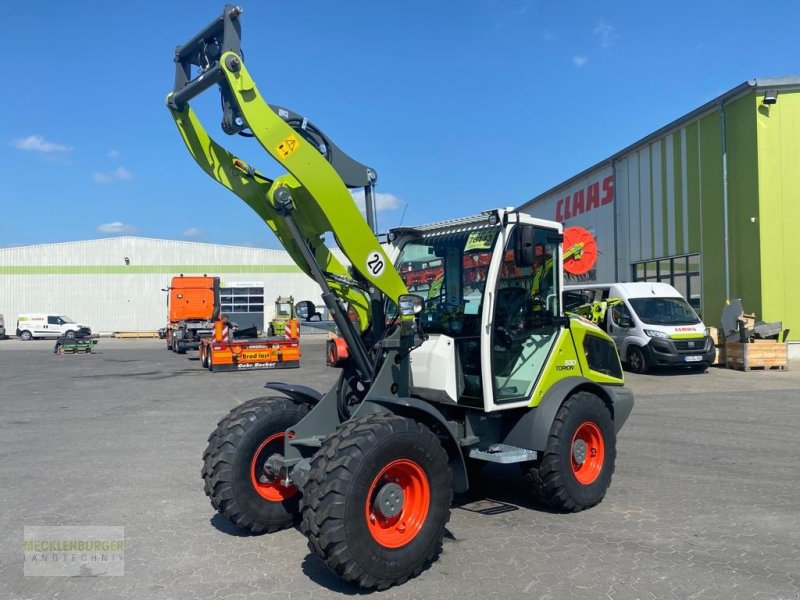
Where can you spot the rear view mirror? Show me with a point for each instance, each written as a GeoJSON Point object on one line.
{"type": "Point", "coordinates": [524, 251]}
{"type": "Point", "coordinates": [626, 322]}
{"type": "Point", "coordinates": [305, 310]}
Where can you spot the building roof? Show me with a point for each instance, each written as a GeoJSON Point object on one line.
{"type": "Point", "coordinates": [754, 85]}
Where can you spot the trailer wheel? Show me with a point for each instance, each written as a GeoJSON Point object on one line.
{"type": "Point", "coordinates": [636, 360]}
{"type": "Point", "coordinates": [233, 465]}
{"type": "Point", "coordinates": [377, 500]}
{"type": "Point", "coordinates": [576, 468]}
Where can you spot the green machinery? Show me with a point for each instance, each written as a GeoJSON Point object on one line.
{"type": "Point", "coordinates": [489, 372]}
{"type": "Point", "coordinates": [284, 311]}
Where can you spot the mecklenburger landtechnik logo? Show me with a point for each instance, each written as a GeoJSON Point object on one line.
{"type": "Point", "coordinates": [90, 551]}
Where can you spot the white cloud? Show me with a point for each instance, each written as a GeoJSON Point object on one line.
{"type": "Point", "coordinates": [607, 34]}
{"type": "Point", "coordinates": [549, 36]}
{"type": "Point", "coordinates": [113, 153]}
{"type": "Point", "coordinates": [383, 202]}
{"type": "Point", "coordinates": [116, 228]}
{"type": "Point", "coordinates": [193, 232]}
{"type": "Point", "coordinates": [123, 173]}
{"type": "Point", "coordinates": [118, 174]}
{"type": "Point", "coordinates": [579, 61]}
{"type": "Point", "coordinates": [36, 143]}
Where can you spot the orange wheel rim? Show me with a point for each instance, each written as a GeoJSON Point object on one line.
{"type": "Point", "coordinates": [587, 453]}
{"type": "Point", "coordinates": [269, 489]}
{"type": "Point", "coordinates": [399, 529]}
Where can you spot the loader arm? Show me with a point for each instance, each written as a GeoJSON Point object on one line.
{"type": "Point", "coordinates": [300, 207]}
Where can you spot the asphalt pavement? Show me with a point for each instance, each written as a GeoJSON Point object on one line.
{"type": "Point", "coordinates": [705, 501]}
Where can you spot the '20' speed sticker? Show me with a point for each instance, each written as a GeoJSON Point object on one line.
{"type": "Point", "coordinates": [376, 264]}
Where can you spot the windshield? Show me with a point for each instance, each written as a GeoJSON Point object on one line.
{"type": "Point", "coordinates": [664, 311]}
{"type": "Point", "coordinates": [449, 271]}
{"type": "Point", "coordinates": [66, 319]}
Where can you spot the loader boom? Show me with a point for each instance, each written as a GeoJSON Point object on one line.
{"type": "Point", "coordinates": [300, 207]}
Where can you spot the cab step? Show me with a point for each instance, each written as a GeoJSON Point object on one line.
{"type": "Point", "coordinates": [503, 454]}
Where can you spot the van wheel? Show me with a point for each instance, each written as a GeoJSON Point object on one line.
{"type": "Point", "coordinates": [25, 335]}
{"type": "Point", "coordinates": [637, 361]}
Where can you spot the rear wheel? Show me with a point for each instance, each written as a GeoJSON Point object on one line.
{"type": "Point", "coordinates": [377, 500]}
{"type": "Point", "coordinates": [576, 467]}
{"type": "Point", "coordinates": [25, 335]}
{"type": "Point", "coordinates": [233, 465]}
{"type": "Point", "coordinates": [204, 357]}
{"type": "Point", "coordinates": [637, 361]}
{"type": "Point", "coordinates": [180, 348]}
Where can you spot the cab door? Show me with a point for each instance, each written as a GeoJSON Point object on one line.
{"type": "Point", "coordinates": [620, 324]}
{"type": "Point", "coordinates": [52, 326]}
{"type": "Point", "coordinates": [524, 325]}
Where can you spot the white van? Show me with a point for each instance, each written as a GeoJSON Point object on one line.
{"type": "Point", "coordinates": [653, 326]}
{"type": "Point", "coordinates": [48, 325]}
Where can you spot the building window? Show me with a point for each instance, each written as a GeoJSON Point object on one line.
{"type": "Point", "coordinates": [241, 299]}
{"type": "Point", "coordinates": [681, 272]}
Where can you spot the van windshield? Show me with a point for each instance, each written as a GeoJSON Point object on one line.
{"type": "Point", "coordinates": [66, 319]}
{"type": "Point", "coordinates": [664, 311]}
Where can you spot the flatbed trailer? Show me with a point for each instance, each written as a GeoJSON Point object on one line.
{"type": "Point", "coordinates": [222, 352]}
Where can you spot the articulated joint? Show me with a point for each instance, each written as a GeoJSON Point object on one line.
{"type": "Point", "coordinates": [282, 200]}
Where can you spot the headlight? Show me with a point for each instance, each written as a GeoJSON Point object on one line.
{"type": "Point", "coordinates": [707, 332]}
{"type": "Point", "coordinates": [411, 304]}
{"type": "Point", "coordinates": [655, 334]}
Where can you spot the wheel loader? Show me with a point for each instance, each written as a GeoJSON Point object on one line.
{"type": "Point", "coordinates": [483, 367]}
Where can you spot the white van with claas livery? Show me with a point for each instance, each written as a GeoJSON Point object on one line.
{"type": "Point", "coordinates": [652, 326]}
{"type": "Point", "coordinates": [49, 325]}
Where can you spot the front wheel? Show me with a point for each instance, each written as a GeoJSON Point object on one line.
{"type": "Point", "coordinates": [377, 500]}
{"type": "Point", "coordinates": [233, 465]}
{"type": "Point", "coordinates": [637, 361]}
{"type": "Point", "coordinates": [577, 464]}
{"type": "Point", "coordinates": [70, 334]}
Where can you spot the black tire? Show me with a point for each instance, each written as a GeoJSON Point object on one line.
{"type": "Point", "coordinates": [210, 360]}
{"type": "Point", "coordinates": [636, 360]}
{"type": "Point", "coordinates": [553, 479]}
{"type": "Point", "coordinates": [228, 459]}
{"type": "Point", "coordinates": [25, 335]}
{"type": "Point", "coordinates": [343, 473]}
{"type": "Point", "coordinates": [169, 343]}
{"type": "Point", "coordinates": [69, 334]}
{"type": "Point", "coordinates": [180, 348]}
{"type": "Point", "coordinates": [203, 357]}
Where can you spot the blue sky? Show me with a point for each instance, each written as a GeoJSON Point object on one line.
{"type": "Point", "coordinates": [459, 105]}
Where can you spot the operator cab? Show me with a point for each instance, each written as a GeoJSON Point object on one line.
{"type": "Point", "coordinates": [492, 306]}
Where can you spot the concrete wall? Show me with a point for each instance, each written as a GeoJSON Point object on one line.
{"type": "Point", "coordinates": [90, 282]}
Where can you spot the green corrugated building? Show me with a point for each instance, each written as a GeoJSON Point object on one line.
{"type": "Point", "coordinates": [708, 203]}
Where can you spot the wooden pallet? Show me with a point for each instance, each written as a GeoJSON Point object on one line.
{"type": "Point", "coordinates": [767, 355]}
{"type": "Point", "coordinates": [136, 334]}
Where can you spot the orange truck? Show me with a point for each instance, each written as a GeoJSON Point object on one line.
{"type": "Point", "coordinates": [225, 351]}
{"type": "Point", "coordinates": [193, 307]}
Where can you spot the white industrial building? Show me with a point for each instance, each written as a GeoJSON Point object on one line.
{"type": "Point", "coordinates": [117, 284]}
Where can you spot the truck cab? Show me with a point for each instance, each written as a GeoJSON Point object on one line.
{"type": "Point", "coordinates": [651, 323]}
